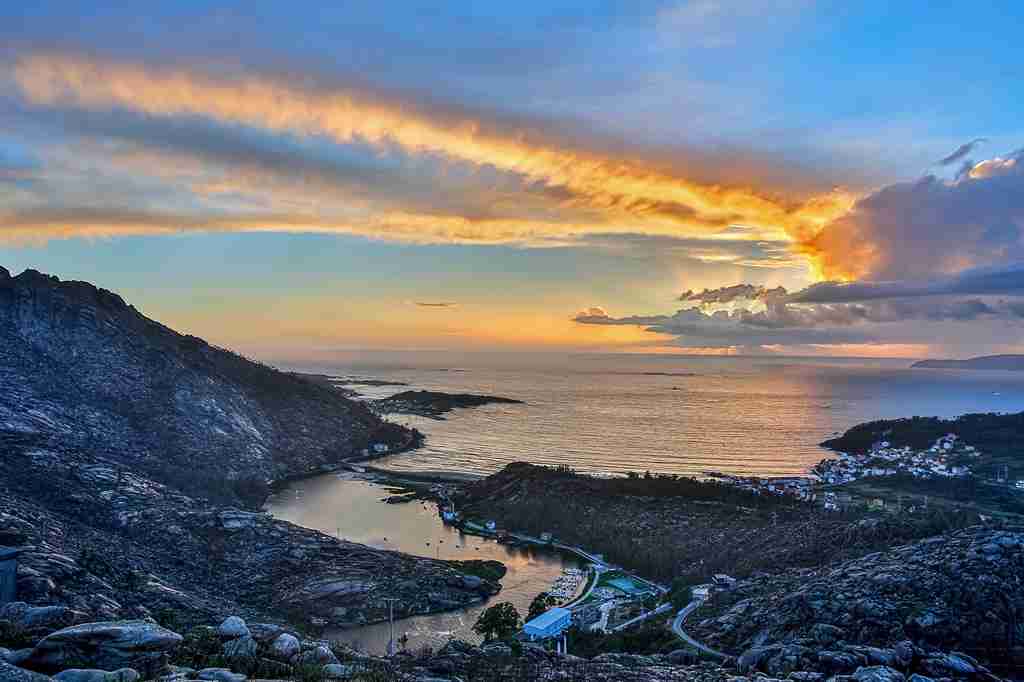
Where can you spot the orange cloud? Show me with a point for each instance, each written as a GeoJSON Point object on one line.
{"type": "Point", "coordinates": [632, 195]}
{"type": "Point", "coordinates": [40, 225]}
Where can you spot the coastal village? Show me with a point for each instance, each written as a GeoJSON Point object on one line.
{"type": "Point", "coordinates": [948, 457]}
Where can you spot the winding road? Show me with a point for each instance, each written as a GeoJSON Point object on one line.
{"type": "Point", "coordinates": [677, 630]}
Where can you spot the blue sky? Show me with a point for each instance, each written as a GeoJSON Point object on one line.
{"type": "Point", "coordinates": [323, 168]}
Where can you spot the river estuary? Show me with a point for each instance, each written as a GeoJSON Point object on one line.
{"type": "Point", "coordinates": [353, 509]}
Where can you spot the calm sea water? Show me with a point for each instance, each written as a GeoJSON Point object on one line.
{"type": "Point", "coordinates": [612, 414]}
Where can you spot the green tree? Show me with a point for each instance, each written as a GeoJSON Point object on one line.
{"type": "Point", "coordinates": [498, 622]}
{"type": "Point", "coordinates": [541, 603]}
{"type": "Point", "coordinates": [681, 593]}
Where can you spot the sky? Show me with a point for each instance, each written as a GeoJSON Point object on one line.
{"type": "Point", "coordinates": [674, 176]}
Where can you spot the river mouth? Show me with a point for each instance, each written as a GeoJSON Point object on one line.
{"type": "Point", "coordinates": [353, 509]}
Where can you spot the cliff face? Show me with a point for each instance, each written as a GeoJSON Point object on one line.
{"type": "Point", "coordinates": [83, 370]}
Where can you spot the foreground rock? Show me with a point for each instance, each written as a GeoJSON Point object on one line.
{"type": "Point", "coordinates": [107, 646]}
{"type": "Point", "coordinates": [76, 675]}
{"type": "Point", "coordinates": [195, 657]}
{"type": "Point", "coordinates": [956, 593]}
{"type": "Point", "coordinates": [30, 620]}
{"type": "Point", "coordinates": [10, 673]}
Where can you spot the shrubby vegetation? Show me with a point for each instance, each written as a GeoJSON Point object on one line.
{"type": "Point", "coordinates": [969, 491]}
{"type": "Point", "coordinates": [498, 622]}
{"type": "Point", "coordinates": [541, 603]}
{"type": "Point", "coordinates": [651, 485]}
{"type": "Point", "coordinates": [667, 527]}
{"type": "Point", "coordinates": [650, 638]}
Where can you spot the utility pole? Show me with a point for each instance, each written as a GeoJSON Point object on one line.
{"type": "Point", "coordinates": [391, 622]}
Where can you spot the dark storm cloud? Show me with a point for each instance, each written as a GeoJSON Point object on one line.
{"type": "Point", "coordinates": [1007, 280]}
{"type": "Point", "coordinates": [785, 322]}
{"type": "Point", "coordinates": [722, 329]}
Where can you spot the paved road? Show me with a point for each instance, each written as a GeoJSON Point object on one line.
{"type": "Point", "coordinates": [677, 629]}
{"type": "Point", "coordinates": [573, 603]}
{"type": "Point", "coordinates": [643, 616]}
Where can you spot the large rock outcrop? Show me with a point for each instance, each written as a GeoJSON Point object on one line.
{"type": "Point", "coordinates": [959, 592]}
{"type": "Point", "coordinates": [83, 370]}
{"type": "Point", "coordinates": [107, 646]}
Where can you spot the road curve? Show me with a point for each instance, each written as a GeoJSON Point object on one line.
{"type": "Point", "coordinates": [677, 630]}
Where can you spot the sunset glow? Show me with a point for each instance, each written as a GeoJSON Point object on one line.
{"type": "Point", "coordinates": [529, 199]}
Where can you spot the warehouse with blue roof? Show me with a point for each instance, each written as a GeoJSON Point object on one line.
{"type": "Point", "coordinates": [551, 623]}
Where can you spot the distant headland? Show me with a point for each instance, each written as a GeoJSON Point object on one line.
{"type": "Point", "coordinates": [1004, 362]}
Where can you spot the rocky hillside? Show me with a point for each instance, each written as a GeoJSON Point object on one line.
{"type": "Point", "coordinates": [120, 443]}
{"type": "Point", "coordinates": [84, 371]}
{"type": "Point", "coordinates": [960, 592]}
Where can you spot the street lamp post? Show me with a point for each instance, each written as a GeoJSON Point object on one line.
{"type": "Point", "coordinates": [391, 622]}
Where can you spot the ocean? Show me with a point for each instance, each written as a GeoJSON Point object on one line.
{"type": "Point", "coordinates": [610, 414]}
